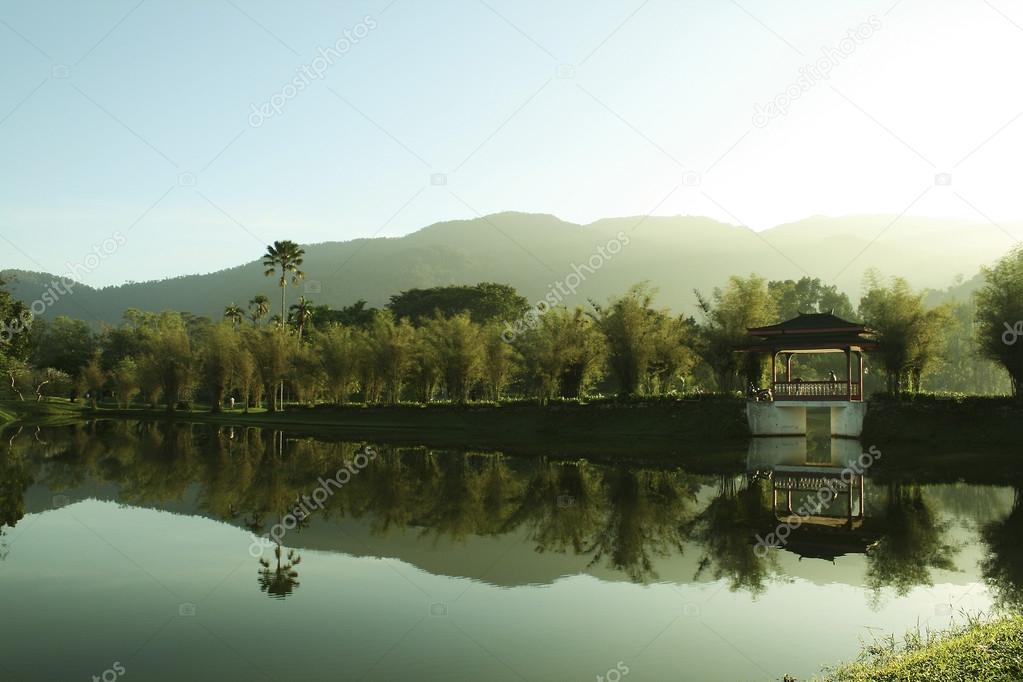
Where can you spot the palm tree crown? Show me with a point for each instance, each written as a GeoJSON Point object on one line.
{"type": "Point", "coordinates": [234, 314]}
{"type": "Point", "coordinates": [260, 307]}
{"type": "Point", "coordinates": [286, 255]}
{"type": "Point", "coordinates": [302, 314]}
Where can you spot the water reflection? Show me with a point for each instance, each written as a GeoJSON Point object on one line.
{"type": "Point", "coordinates": [1003, 564]}
{"type": "Point", "coordinates": [622, 519]}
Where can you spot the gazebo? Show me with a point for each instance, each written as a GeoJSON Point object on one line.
{"type": "Point", "coordinates": [809, 333]}
{"type": "Point", "coordinates": [813, 333]}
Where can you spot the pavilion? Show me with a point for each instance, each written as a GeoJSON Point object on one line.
{"type": "Point", "coordinates": [781, 409]}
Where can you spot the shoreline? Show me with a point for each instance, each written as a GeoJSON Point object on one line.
{"type": "Point", "coordinates": [693, 430]}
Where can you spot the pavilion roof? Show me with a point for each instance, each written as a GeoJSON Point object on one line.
{"type": "Point", "coordinates": [810, 324]}
{"type": "Point", "coordinates": [809, 331]}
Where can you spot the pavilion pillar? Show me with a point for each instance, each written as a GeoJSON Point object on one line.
{"type": "Point", "coordinates": [788, 367]}
{"type": "Point", "coordinates": [848, 380]}
{"type": "Point", "coordinates": [860, 355]}
{"type": "Point", "coordinates": [774, 367]}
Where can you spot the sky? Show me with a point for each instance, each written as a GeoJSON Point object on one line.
{"type": "Point", "coordinates": [181, 136]}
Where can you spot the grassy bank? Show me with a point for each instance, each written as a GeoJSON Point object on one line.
{"type": "Point", "coordinates": [662, 427]}
{"type": "Point", "coordinates": [986, 652]}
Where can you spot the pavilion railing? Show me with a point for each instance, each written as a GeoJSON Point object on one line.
{"type": "Point", "coordinates": [815, 390]}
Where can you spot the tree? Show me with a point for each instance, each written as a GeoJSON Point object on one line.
{"type": "Point", "coordinates": [908, 335]}
{"type": "Point", "coordinates": [1000, 317]}
{"type": "Point", "coordinates": [499, 361]}
{"type": "Point", "coordinates": [338, 349]}
{"type": "Point", "coordinates": [17, 375]}
{"type": "Point", "coordinates": [454, 343]}
{"type": "Point", "coordinates": [288, 256]}
{"type": "Point", "coordinates": [356, 315]}
{"type": "Point", "coordinates": [673, 355]}
{"type": "Point", "coordinates": [586, 362]}
{"type": "Point", "coordinates": [65, 344]}
{"type": "Point", "coordinates": [234, 314]}
{"type": "Point", "coordinates": [630, 326]}
{"type": "Point", "coordinates": [15, 321]}
{"type": "Point", "coordinates": [302, 315]}
{"type": "Point", "coordinates": [51, 382]}
{"type": "Point", "coordinates": [562, 353]}
{"type": "Point", "coordinates": [388, 353]}
{"type": "Point", "coordinates": [809, 295]}
{"type": "Point", "coordinates": [425, 375]}
{"type": "Point", "coordinates": [729, 313]}
{"type": "Point", "coordinates": [485, 302]}
{"type": "Point", "coordinates": [247, 377]}
{"type": "Point", "coordinates": [91, 379]}
{"type": "Point", "coordinates": [307, 373]}
{"type": "Point", "coordinates": [167, 358]}
{"type": "Point", "coordinates": [219, 362]}
{"type": "Point", "coordinates": [272, 349]}
{"type": "Point", "coordinates": [125, 381]}
{"type": "Point", "coordinates": [259, 308]}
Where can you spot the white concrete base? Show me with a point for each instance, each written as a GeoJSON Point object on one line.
{"type": "Point", "coordinates": [847, 419]}
{"type": "Point", "coordinates": [771, 419]}
{"type": "Point", "coordinates": [788, 418]}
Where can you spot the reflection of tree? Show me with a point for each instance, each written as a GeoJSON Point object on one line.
{"type": "Point", "coordinates": [14, 481]}
{"type": "Point", "coordinates": [622, 518]}
{"type": "Point", "coordinates": [646, 514]}
{"type": "Point", "coordinates": [280, 579]}
{"type": "Point", "coordinates": [727, 529]}
{"type": "Point", "coordinates": [560, 506]}
{"type": "Point", "coordinates": [1003, 565]}
{"type": "Point", "coordinates": [912, 543]}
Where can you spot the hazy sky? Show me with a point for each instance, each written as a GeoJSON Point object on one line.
{"type": "Point", "coordinates": [137, 118]}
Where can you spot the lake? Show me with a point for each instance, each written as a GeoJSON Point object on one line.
{"type": "Point", "coordinates": [164, 552]}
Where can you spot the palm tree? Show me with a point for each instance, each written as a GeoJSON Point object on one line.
{"type": "Point", "coordinates": [234, 314]}
{"type": "Point", "coordinates": [302, 314]}
{"type": "Point", "coordinates": [287, 255]}
{"type": "Point", "coordinates": [260, 307]}
{"type": "Point", "coordinates": [281, 580]}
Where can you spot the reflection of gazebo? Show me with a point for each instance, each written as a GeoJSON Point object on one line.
{"type": "Point", "coordinates": [782, 409]}
{"type": "Point", "coordinates": [813, 333]}
{"type": "Point", "coordinates": [823, 504]}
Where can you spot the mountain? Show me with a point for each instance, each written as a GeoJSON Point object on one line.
{"type": "Point", "coordinates": [533, 252]}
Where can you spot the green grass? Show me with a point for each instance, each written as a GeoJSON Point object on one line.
{"type": "Point", "coordinates": [976, 651]}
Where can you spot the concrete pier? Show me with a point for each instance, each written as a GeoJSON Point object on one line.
{"type": "Point", "coordinates": [788, 418]}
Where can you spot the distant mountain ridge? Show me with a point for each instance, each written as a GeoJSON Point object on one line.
{"type": "Point", "coordinates": [533, 252]}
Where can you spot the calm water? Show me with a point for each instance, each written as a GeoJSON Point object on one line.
{"type": "Point", "coordinates": [141, 551]}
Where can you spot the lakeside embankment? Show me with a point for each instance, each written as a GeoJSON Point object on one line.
{"type": "Point", "coordinates": [645, 427]}
{"type": "Point", "coordinates": [944, 422]}
{"type": "Point", "coordinates": [929, 429]}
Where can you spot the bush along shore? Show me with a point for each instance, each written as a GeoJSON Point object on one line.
{"type": "Point", "coordinates": [944, 422]}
